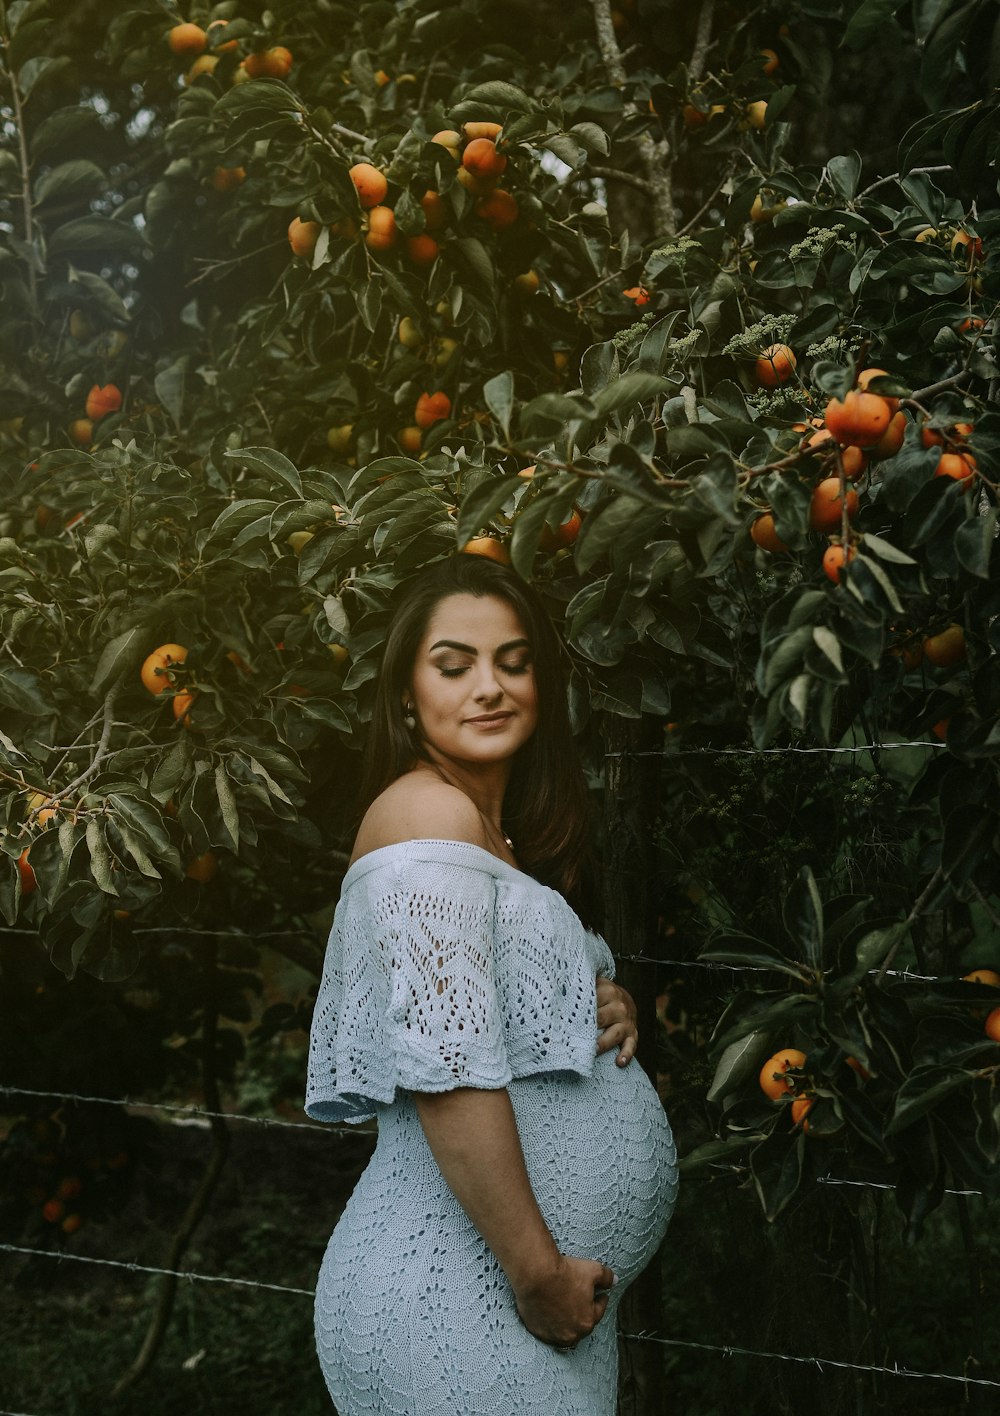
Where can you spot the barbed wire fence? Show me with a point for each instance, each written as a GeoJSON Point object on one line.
{"type": "Point", "coordinates": [725, 1350]}
{"type": "Point", "coordinates": [668, 753]}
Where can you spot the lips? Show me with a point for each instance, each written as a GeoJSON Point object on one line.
{"type": "Point", "coordinates": [491, 719]}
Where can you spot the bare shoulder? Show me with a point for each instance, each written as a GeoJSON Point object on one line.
{"type": "Point", "coordinates": [419, 806]}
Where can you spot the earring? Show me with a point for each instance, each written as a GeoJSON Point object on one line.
{"type": "Point", "coordinates": [408, 716]}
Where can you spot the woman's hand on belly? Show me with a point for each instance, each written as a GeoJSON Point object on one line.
{"type": "Point", "coordinates": [473, 1137]}
{"type": "Point", "coordinates": [617, 1017]}
{"type": "Point", "coordinates": [566, 1302]}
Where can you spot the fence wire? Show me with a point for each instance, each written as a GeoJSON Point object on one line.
{"type": "Point", "coordinates": [340, 1128]}
{"type": "Point", "coordinates": [726, 1350]}
{"type": "Point", "coordinates": [195, 1112]}
{"type": "Point", "coordinates": [730, 1351]}
{"type": "Point", "coordinates": [134, 1267]}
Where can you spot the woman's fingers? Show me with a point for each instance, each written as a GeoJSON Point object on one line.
{"type": "Point", "coordinates": [616, 1018]}
{"type": "Point", "coordinates": [563, 1310]}
{"type": "Point", "coordinates": [620, 1036]}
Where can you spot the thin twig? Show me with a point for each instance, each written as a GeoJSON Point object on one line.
{"type": "Point", "coordinates": [895, 177]}
{"type": "Point", "coordinates": [917, 910]}
{"type": "Point", "coordinates": [955, 381]}
{"type": "Point", "coordinates": [987, 907]}
{"type": "Point", "coordinates": [102, 747]}
{"type": "Point", "coordinates": [704, 207]}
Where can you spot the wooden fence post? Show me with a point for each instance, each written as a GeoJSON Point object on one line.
{"type": "Point", "coordinates": [631, 796]}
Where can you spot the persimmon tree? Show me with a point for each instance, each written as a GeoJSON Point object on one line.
{"type": "Point", "coordinates": [306, 298]}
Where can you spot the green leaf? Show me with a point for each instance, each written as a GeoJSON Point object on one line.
{"type": "Point", "coordinates": [829, 644]}
{"type": "Point", "coordinates": [496, 96]}
{"type": "Point", "coordinates": [117, 656]}
{"type": "Point", "coordinates": [884, 550]}
{"type": "Point", "coordinates": [743, 951]}
{"type": "Point", "coordinates": [705, 1160]}
{"type": "Point", "coordinates": [774, 1014]}
{"type": "Point", "coordinates": [567, 149]}
{"type": "Point", "coordinates": [136, 848]}
{"type": "Point", "coordinates": [550, 413]}
{"type": "Point", "coordinates": [499, 395]}
{"type": "Point", "coordinates": [143, 818]}
{"type": "Point", "coordinates": [528, 527]}
{"type": "Point", "coordinates": [628, 390]}
{"type": "Point", "coordinates": [594, 139]}
{"type": "Point", "coordinates": [482, 503]}
{"type": "Point", "coordinates": [598, 367]}
{"type": "Point", "coordinates": [607, 528]}
{"type": "Point", "coordinates": [477, 260]}
{"type": "Point", "coordinates": [273, 464]}
{"type": "Point", "coordinates": [739, 1062]}
{"type": "Point", "coordinates": [975, 540]}
{"type": "Point", "coordinates": [171, 768]}
{"type": "Point", "coordinates": [873, 948]}
{"type": "Point", "coordinates": [227, 804]}
{"type": "Point", "coordinates": [845, 173]}
{"type": "Point", "coordinates": [169, 385]}
{"type": "Point", "coordinates": [262, 772]}
{"type": "Point", "coordinates": [802, 916]}
{"type": "Point", "coordinates": [266, 97]}
{"type": "Point", "coordinates": [101, 859]}
{"type": "Point", "coordinates": [35, 70]}
{"type": "Point", "coordinates": [785, 660]}
{"type": "Point", "coordinates": [922, 1091]}
{"type": "Point", "coordinates": [64, 126]}
{"type": "Point", "coordinates": [69, 182]}
{"type": "Point", "coordinates": [95, 236]}
{"type": "Point", "coordinates": [19, 689]}
{"type": "Point", "coordinates": [776, 1167]}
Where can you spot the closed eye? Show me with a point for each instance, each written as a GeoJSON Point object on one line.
{"type": "Point", "coordinates": [455, 671]}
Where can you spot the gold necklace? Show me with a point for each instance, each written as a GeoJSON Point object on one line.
{"type": "Point", "coordinates": [492, 831]}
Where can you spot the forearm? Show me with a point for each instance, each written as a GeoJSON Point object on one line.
{"type": "Point", "coordinates": [473, 1137]}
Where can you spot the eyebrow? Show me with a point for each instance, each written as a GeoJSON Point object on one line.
{"type": "Point", "coordinates": [470, 649]}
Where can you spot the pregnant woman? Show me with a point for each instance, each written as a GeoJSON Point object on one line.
{"type": "Point", "coordinates": [524, 1174]}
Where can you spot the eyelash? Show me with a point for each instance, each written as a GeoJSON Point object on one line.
{"type": "Point", "coordinates": [507, 668]}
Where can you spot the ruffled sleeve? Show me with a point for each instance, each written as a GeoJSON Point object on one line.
{"type": "Point", "coordinates": [446, 968]}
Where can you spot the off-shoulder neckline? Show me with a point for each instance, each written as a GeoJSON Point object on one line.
{"type": "Point", "coordinates": [418, 847]}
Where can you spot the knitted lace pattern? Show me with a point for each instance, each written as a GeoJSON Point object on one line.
{"type": "Point", "coordinates": [441, 972]}
{"type": "Point", "coordinates": [447, 967]}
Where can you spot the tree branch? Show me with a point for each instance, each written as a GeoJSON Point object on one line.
{"type": "Point", "coordinates": [25, 164]}
{"type": "Point", "coordinates": [702, 40]}
{"type": "Point", "coordinates": [654, 154]}
{"type": "Point", "coordinates": [615, 174]}
{"type": "Point", "coordinates": [102, 746]}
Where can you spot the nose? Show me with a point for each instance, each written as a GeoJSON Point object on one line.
{"type": "Point", "coordinates": [488, 688]}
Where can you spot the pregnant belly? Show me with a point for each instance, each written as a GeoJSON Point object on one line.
{"type": "Point", "coordinates": [601, 1159]}
{"type": "Point", "coordinates": [599, 1154]}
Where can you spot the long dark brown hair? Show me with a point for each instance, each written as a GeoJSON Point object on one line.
{"type": "Point", "coordinates": [546, 808]}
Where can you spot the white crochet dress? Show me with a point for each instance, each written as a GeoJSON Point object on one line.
{"type": "Point", "coordinates": [447, 967]}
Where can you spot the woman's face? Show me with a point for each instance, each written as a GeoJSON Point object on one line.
{"type": "Point", "coordinates": [473, 681]}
